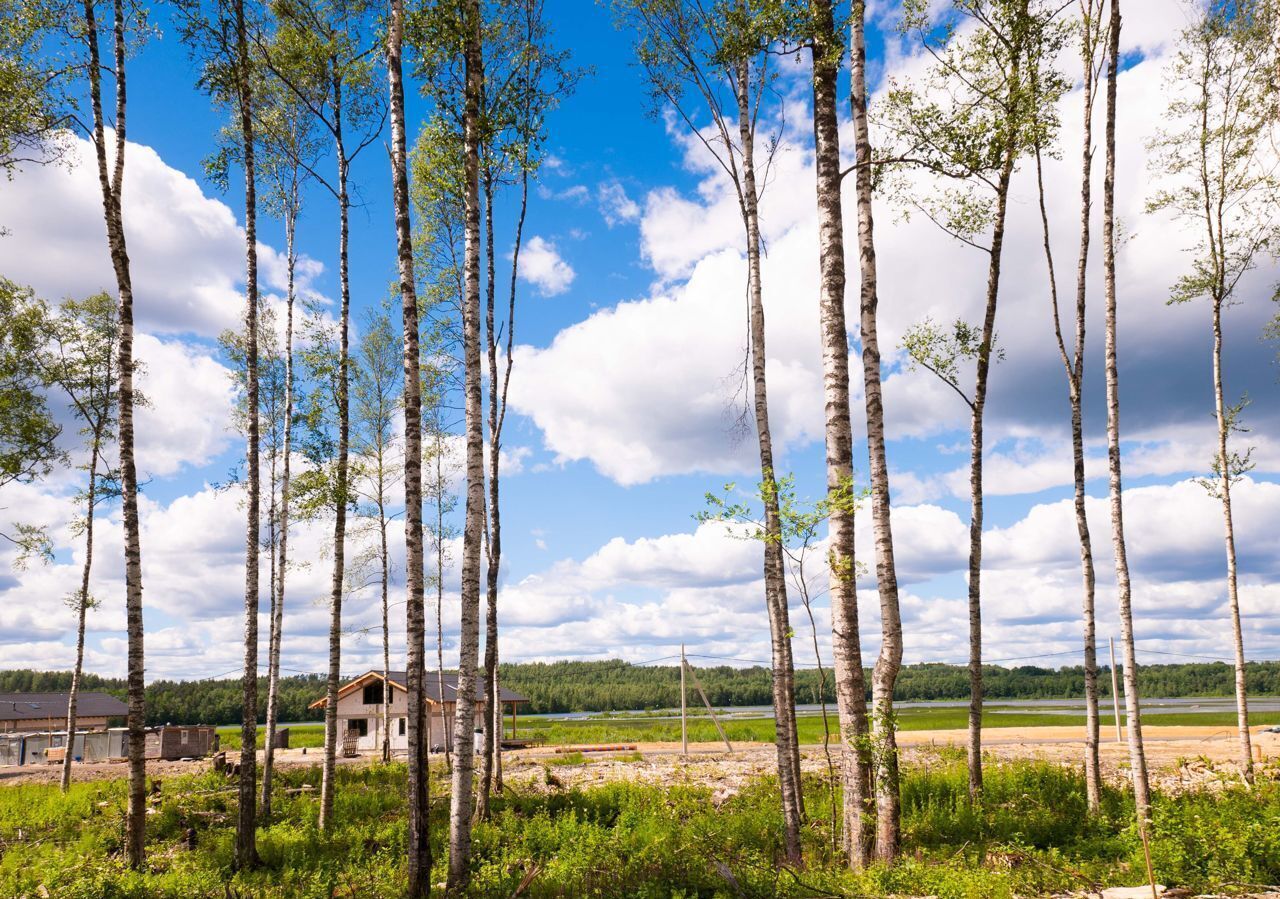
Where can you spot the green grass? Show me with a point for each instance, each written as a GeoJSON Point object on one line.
{"type": "Point", "coordinates": [634, 728]}
{"type": "Point", "coordinates": [1031, 835]}
{"type": "Point", "coordinates": [566, 759]}
{"type": "Point", "coordinates": [631, 728]}
{"type": "Point", "coordinates": [309, 736]}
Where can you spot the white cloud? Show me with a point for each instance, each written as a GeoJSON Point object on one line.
{"type": "Point", "coordinates": [542, 266]}
{"type": "Point", "coordinates": [189, 419]}
{"type": "Point", "coordinates": [615, 206]}
{"type": "Point", "coordinates": [186, 249]}
{"type": "Point", "coordinates": [639, 599]}
{"type": "Point", "coordinates": [665, 367]}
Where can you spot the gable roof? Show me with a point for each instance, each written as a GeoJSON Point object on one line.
{"type": "Point", "coordinates": [43, 706]}
{"type": "Point", "coordinates": [431, 688]}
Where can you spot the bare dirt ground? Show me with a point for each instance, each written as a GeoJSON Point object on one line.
{"type": "Point", "coordinates": [1179, 758]}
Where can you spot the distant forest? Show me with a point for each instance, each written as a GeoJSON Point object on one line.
{"type": "Point", "coordinates": [617, 686]}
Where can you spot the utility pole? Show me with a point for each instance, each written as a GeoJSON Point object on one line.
{"type": "Point", "coordinates": [1115, 689]}
{"type": "Point", "coordinates": [697, 685]}
{"type": "Point", "coordinates": [684, 724]}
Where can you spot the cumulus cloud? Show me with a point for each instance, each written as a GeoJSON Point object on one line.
{"type": "Point", "coordinates": [666, 385]}
{"type": "Point", "coordinates": [542, 266]}
{"type": "Point", "coordinates": [186, 249]}
{"type": "Point", "coordinates": [188, 418]}
{"type": "Point", "coordinates": [639, 599]}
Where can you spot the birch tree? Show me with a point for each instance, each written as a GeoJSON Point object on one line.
{"type": "Point", "coordinates": [889, 661]}
{"type": "Point", "coordinates": [450, 42]}
{"type": "Point", "coordinates": [472, 533]}
{"type": "Point", "coordinates": [377, 386]}
{"type": "Point", "coordinates": [111, 183]}
{"type": "Point", "coordinates": [1216, 162]}
{"type": "Point", "coordinates": [826, 51]}
{"type": "Point", "coordinates": [800, 522]}
{"type": "Point", "coordinates": [289, 150]}
{"type": "Point", "coordinates": [973, 116]}
{"type": "Point", "coordinates": [81, 358]}
{"type": "Point", "coordinates": [437, 199]}
{"type": "Point", "coordinates": [529, 81]}
{"type": "Point", "coordinates": [323, 54]}
{"type": "Point", "coordinates": [1090, 29]}
{"type": "Point", "coordinates": [419, 773]}
{"type": "Point", "coordinates": [218, 34]}
{"type": "Point", "coordinates": [1124, 592]}
{"type": "Point", "coordinates": [710, 63]}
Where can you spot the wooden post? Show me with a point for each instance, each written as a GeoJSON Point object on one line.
{"type": "Point", "coordinates": [684, 723]}
{"type": "Point", "coordinates": [1115, 690]}
{"type": "Point", "coordinates": [513, 720]}
{"type": "Point", "coordinates": [697, 685]}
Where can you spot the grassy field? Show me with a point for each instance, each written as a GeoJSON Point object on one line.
{"type": "Point", "coordinates": [648, 729]}
{"type": "Point", "coordinates": [310, 736]}
{"type": "Point", "coordinates": [1032, 835]}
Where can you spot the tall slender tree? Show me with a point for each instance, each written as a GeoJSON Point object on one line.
{"type": "Point", "coordinates": [220, 34]}
{"type": "Point", "coordinates": [323, 53]}
{"type": "Point", "coordinates": [1090, 34]}
{"type": "Point", "coordinates": [889, 661]}
{"type": "Point", "coordinates": [437, 199]}
{"type": "Point", "coordinates": [289, 149]}
{"type": "Point", "coordinates": [984, 54]}
{"type": "Point", "coordinates": [472, 534]}
{"type": "Point", "coordinates": [377, 391]}
{"type": "Point", "coordinates": [419, 843]}
{"type": "Point", "coordinates": [850, 681]}
{"type": "Point", "coordinates": [81, 358]}
{"type": "Point", "coordinates": [1124, 593]}
{"type": "Point", "coordinates": [531, 80]}
{"type": "Point", "coordinates": [111, 183]}
{"type": "Point", "coordinates": [246, 829]}
{"type": "Point", "coordinates": [1216, 160]}
{"type": "Point", "coordinates": [713, 60]}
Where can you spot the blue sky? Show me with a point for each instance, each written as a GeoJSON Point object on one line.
{"type": "Point", "coordinates": [623, 385]}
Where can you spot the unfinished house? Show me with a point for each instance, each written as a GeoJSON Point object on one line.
{"type": "Point", "coordinates": [360, 710]}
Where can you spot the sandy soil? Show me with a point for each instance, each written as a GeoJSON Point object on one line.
{"type": "Point", "coordinates": [1179, 758]}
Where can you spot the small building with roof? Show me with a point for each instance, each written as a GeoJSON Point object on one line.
{"type": "Point", "coordinates": [35, 712]}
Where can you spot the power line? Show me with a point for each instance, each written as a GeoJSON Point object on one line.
{"type": "Point", "coordinates": [1187, 655]}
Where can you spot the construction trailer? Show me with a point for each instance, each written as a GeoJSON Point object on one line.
{"type": "Point", "coordinates": [179, 741]}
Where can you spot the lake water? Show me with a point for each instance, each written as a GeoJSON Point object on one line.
{"type": "Point", "coordinates": [1184, 705]}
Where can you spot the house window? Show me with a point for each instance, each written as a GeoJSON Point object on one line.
{"type": "Point", "coordinates": [402, 727]}
{"type": "Point", "coordinates": [186, 736]}
{"type": "Point", "coordinates": [373, 693]}
{"type": "Point", "coordinates": [359, 725]}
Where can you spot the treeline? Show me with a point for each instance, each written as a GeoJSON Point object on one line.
{"type": "Point", "coordinates": [614, 685]}
{"type": "Point", "coordinates": [182, 702]}
{"type": "Point", "coordinates": [618, 686]}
